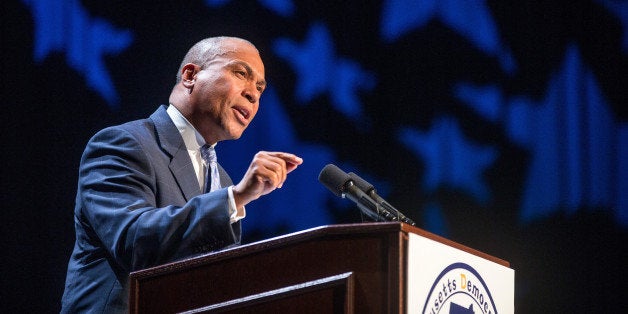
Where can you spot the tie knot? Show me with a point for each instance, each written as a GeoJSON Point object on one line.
{"type": "Point", "coordinates": [208, 153]}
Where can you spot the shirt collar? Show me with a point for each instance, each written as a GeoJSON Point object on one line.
{"type": "Point", "coordinates": [191, 137]}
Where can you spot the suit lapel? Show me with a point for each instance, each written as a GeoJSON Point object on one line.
{"type": "Point", "coordinates": [170, 140]}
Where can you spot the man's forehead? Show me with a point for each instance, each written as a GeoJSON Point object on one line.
{"type": "Point", "coordinates": [234, 46]}
{"type": "Point", "coordinates": [251, 58]}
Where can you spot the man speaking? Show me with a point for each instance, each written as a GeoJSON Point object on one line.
{"type": "Point", "coordinates": [151, 191]}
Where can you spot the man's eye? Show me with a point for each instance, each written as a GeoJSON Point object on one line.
{"type": "Point", "coordinates": [241, 73]}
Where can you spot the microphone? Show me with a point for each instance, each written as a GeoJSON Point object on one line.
{"type": "Point", "coordinates": [369, 189]}
{"type": "Point", "coordinates": [341, 184]}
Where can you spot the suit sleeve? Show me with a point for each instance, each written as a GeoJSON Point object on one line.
{"type": "Point", "coordinates": [118, 202]}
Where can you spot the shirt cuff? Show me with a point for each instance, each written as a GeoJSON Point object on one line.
{"type": "Point", "coordinates": [235, 214]}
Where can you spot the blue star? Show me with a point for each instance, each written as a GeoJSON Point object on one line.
{"type": "Point", "coordinates": [85, 40]}
{"type": "Point", "coordinates": [471, 19]}
{"type": "Point", "coordinates": [485, 100]}
{"type": "Point", "coordinates": [450, 159]}
{"type": "Point", "coordinates": [284, 8]}
{"type": "Point", "coordinates": [320, 72]}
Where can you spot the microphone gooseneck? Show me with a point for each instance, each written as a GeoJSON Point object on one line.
{"type": "Point", "coordinates": [369, 189]}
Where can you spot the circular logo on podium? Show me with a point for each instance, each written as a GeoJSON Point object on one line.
{"type": "Point", "coordinates": [459, 289]}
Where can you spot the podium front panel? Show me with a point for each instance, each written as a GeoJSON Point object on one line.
{"type": "Point", "coordinates": [373, 258]}
{"type": "Point", "coordinates": [445, 279]}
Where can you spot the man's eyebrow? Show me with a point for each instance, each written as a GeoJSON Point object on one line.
{"type": "Point", "coordinates": [248, 68]}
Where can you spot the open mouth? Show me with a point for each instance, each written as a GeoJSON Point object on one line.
{"type": "Point", "coordinates": [242, 113]}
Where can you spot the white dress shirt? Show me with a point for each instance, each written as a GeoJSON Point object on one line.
{"type": "Point", "coordinates": [193, 143]}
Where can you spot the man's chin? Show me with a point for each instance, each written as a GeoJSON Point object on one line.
{"type": "Point", "coordinates": [236, 135]}
{"type": "Point", "coordinates": [233, 131]}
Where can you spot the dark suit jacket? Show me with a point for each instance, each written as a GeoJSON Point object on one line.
{"type": "Point", "coordinates": [138, 205]}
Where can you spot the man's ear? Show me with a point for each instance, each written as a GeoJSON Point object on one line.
{"type": "Point", "coordinates": [188, 75]}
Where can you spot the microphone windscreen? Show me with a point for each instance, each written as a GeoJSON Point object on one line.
{"type": "Point", "coordinates": [361, 183]}
{"type": "Point", "coordinates": [334, 179]}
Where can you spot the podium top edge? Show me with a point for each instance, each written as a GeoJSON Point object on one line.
{"type": "Point", "coordinates": [304, 235]}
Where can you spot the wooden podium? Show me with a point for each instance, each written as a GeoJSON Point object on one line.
{"type": "Point", "coordinates": [354, 268]}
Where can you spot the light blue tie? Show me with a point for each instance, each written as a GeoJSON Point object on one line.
{"type": "Point", "coordinates": [212, 178]}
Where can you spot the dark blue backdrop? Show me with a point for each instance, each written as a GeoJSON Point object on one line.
{"type": "Point", "coordinates": [498, 124]}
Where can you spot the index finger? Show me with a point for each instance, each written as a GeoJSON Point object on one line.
{"type": "Point", "coordinates": [292, 160]}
